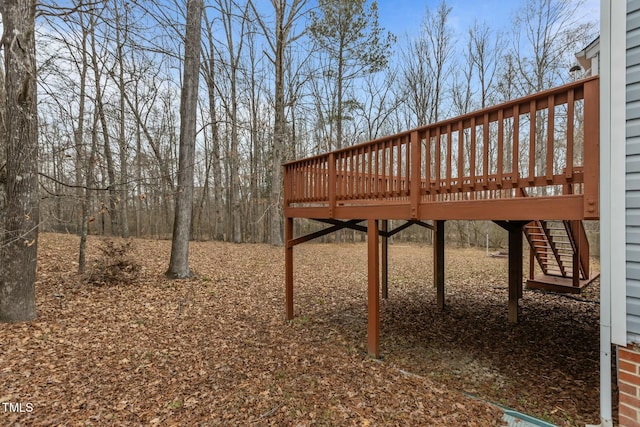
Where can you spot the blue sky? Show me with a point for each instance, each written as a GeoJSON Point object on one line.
{"type": "Point", "coordinates": [400, 16]}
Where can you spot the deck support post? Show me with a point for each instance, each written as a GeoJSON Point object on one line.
{"type": "Point", "coordinates": [575, 231]}
{"type": "Point", "coordinates": [288, 261]}
{"type": "Point", "coordinates": [385, 259]}
{"type": "Point", "coordinates": [373, 290]}
{"type": "Point", "coordinates": [515, 271]}
{"type": "Point", "coordinates": [438, 261]}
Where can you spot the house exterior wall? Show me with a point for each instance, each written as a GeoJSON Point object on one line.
{"type": "Point", "coordinates": [629, 387]}
{"type": "Point", "coordinates": [628, 374]}
{"type": "Point", "coordinates": [632, 164]}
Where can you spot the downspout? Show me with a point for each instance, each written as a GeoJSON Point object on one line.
{"type": "Point", "coordinates": [607, 16]}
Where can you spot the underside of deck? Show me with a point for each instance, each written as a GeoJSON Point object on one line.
{"type": "Point", "coordinates": [529, 165]}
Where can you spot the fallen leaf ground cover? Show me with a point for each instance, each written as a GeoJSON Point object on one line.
{"type": "Point", "coordinates": [215, 350]}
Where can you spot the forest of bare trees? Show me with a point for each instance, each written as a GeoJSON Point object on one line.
{"type": "Point", "coordinates": [278, 81]}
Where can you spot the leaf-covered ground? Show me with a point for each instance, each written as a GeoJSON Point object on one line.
{"type": "Point", "coordinates": [215, 350]}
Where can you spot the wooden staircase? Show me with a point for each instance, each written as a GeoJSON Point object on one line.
{"type": "Point", "coordinates": [561, 249]}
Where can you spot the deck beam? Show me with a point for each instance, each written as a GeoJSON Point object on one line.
{"type": "Point", "coordinates": [565, 207]}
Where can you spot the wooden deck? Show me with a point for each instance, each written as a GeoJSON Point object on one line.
{"type": "Point", "coordinates": [531, 159]}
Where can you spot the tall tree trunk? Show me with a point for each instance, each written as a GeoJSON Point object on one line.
{"type": "Point", "coordinates": [279, 129]}
{"type": "Point", "coordinates": [20, 241]}
{"type": "Point", "coordinates": [179, 262]}
{"type": "Point", "coordinates": [86, 200]}
{"type": "Point", "coordinates": [210, 73]}
{"type": "Point", "coordinates": [111, 174]}
{"type": "Point", "coordinates": [78, 134]}
{"type": "Point", "coordinates": [81, 161]}
{"type": "Point", "coordinates": [122, 143]}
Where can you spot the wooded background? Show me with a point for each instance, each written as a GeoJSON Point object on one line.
{"type": "Point", "coordinates": [279, 80]}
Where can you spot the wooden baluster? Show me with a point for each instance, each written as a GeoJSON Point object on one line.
{"type": "Point", "coordinates": [472, 162]}
{"type": "Point", "coordinates": [369, 189]}
{"type": "Point", "coordinates": [428, 164]}
{"type": "Point", "coordinates": [449, 157]}
{"type": "Point", "coordinates": [485, 147]}
{"type": "Point", "coordinates": [532, 141]}
{"type": "Point", "coordinates": [351, 190]}
{"type": "Point", "coordinates": [416, 160]}
{"type": "Point", "coordinates": [399, 175]}
{"type": "Point", "coordinates": [500, 167]}
{"type": "Point", "coordinates": [460, 156]}
{"type": "Point", "coordinates": [438, 159]}
{"type": "Point", "coordinates": [376, 178]}
{"type": "Point", "coordinates": [385, 146]}
{"type": "Point", "coordinates": [568, 171]}
{"type": "Point", "coordinates": [515, 166]}
{"type": "Point", "coordinates": [550, 137]}
{"type": "Point", "coordinates": [332, 184]}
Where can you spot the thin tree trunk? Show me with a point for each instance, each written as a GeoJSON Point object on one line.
{"type": "Point", "coordinates": [105, 135]}
{"type": "Point", "coordinates": [124, 190]}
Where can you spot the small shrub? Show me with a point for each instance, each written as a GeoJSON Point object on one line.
{"type": "Point", "coordinates": [115, 266]}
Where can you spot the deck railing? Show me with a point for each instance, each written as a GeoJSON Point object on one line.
{"type": "Point", "coordinates": [546, 143]}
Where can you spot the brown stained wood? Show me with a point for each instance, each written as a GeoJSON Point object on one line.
{"type": "Point", "coordinates": [427, 163]}
{"type": "Point", "coordinates": [532, 263]}
{"type": "Point", "coordinates": [532, 140]}
{"type": "Point", "coordinates": [460, 175]}
{"type": "Point", "coordinates": [559, 284]}
{"type": "Point", "coordinates": [500, 169]}
{"type": "Point", "coordinates": [399, 174]}
{"type": "Point", "coordinates": [344, 181]}
{"type": "Point", "coordinates": [360, 180]}
{"type": "Point", "coordinates": [449, 157]}
{"type": "Point", "coordinates": [288, 262]}
{"type": "Point", "coordinates": [408, 148]}
{"type": "Point", "coordinates": [415, 173]}
{"type": "Point", "coordinates": [515, 166]}
{"type": "Point", "coordinates": [332, 183]}
{"type": "Point", "coordinates": [570, 135]}
{"type": "Point", "coordinates": [385, 260]}
{"type": "Point", "coordinates": [373, 290]}
{"type": "Point", "coordinates": [390, 169]}
{"type": "Point", "coordinates": [515, 272]}
{"type": "Point", "coordinates": [472, 144]}
{"type": "Point", "coordinates": [438, 147]}
{"type": "Point", "coordinates": [369, 181]}
{"type": "Point", "coordinates": [351, 187]}
{"type": "Point", "coordinates": [438, 262]}
{"type": "Point", "coordinates": [485, 150]}
{"type": "Point", "coordinates": [551, 130]}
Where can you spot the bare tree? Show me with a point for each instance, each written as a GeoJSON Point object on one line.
{"type": "Point", "coordinates": [20, 241]}
{"type": "Point", "coordinates": [179, 262]}
{"type": "Point", "coordinates": [440, 41]}
{"type": "Point", "coordinates": [286, 14]}
{"type": "Point", "coordinates": [548, 33]}
{"type": "Point", "coordinates": [349, 33]}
